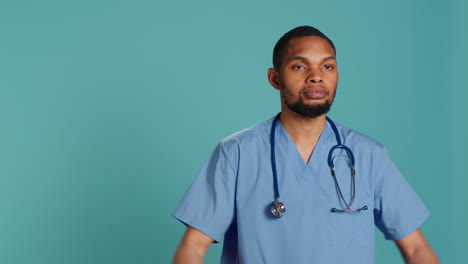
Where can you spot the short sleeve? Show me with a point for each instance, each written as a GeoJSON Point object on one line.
{"type": "Point", "coordinates": [209, 204]}
{"type": "Point", "coordinates": [398, 210]}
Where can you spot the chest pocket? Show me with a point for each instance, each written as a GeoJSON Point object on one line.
{"type": "Point", "coordinates": [352, 228]}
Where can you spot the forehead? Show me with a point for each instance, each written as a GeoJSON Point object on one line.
{"type": "Point", "coordinates": [311, 46]}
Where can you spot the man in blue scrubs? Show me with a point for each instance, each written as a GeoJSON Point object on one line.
{"type": "Point", "coordinates": [230, 199]}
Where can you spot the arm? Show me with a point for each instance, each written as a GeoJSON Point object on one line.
{"type": "Point", "coordinates": [416, 250]}
{"type": "Point", "coordinates": [193, 247]}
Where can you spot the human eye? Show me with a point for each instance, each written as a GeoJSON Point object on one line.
{"type": "Point", "coordinates": [298, 67]}
{"type": "Point", "coordinates": [328, 66]}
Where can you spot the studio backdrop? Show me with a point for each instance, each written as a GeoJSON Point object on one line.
{"type": "Point", "coordinates": [108, 109]}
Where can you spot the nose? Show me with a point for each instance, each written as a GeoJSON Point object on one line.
{"type": "Point", "coordinates": [315, 76]}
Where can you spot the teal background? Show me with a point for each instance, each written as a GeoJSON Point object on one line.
{"type": "Point", "coordinates": [109, 108]}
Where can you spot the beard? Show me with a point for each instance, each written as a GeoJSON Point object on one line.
{"type": "Point", "coordinates": [301, 108]}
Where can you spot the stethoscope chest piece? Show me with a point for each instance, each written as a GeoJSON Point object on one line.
{"type": "Point", "coordinates": [277, 208]}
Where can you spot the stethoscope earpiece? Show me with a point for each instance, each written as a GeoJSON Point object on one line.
{"type": "Point", "coordinates": [277, 208]}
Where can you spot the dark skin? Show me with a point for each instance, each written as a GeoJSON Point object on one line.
{"type": "Point", "coordinates": [309, 63]}
{"type": "Point", "coordinates": [308, 72]}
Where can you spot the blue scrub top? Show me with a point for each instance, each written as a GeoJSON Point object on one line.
{"type": "Point", "coordinates": [231, 196]}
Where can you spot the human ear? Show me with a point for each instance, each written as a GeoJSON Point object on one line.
{"type": "Point", "coordinates": [273, 78]}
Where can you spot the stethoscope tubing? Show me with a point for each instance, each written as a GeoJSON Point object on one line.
{"type": "Point", "coordinates": [278, 208]}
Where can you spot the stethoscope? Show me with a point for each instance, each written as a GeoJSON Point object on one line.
{"type": "Point", "coordinates": [278, 208]}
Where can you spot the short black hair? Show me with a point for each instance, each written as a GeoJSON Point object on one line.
{"type": "Point", "coordinates": [298, 32]}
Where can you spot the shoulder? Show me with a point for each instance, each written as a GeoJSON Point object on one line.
{"type": "Point", "coordinates": [358, 140]}
{"type": "Point", "coordinates": [247, 143]}
{"type": "Point", "coordinates": [249, 137]}
{"type": "Point", "coordinates": [371, 155]}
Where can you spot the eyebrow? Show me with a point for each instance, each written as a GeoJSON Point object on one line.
{"type": "Point", "coordinates": [300, 58]}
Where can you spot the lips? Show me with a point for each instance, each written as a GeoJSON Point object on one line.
{"type": "Point", "coordinates": [315, 93]}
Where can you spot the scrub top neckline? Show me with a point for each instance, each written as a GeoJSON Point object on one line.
{"type": "Point", "coordinates": [318, 156]}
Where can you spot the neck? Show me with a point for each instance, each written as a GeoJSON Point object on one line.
{"type": "Point", "coordinates": [302, 130]}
